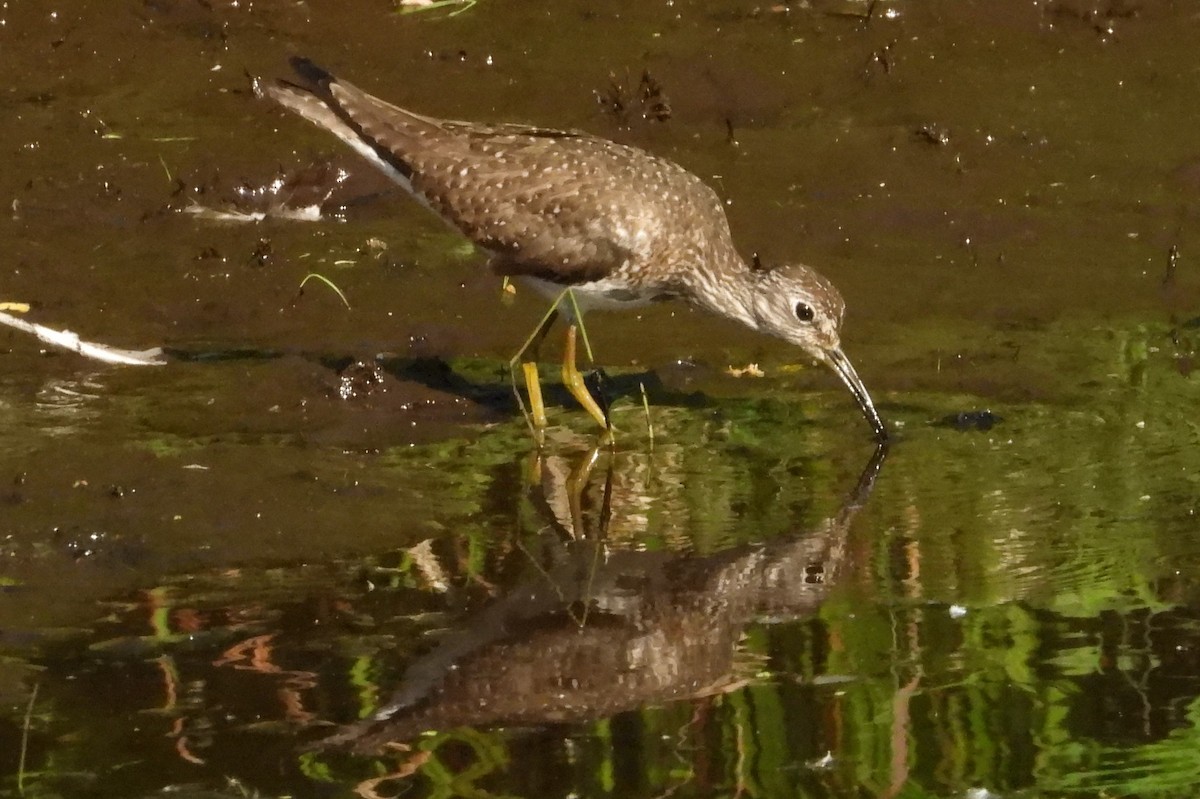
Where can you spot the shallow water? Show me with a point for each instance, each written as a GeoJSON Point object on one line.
{"type": "Point", "coordinates": [209, 567]}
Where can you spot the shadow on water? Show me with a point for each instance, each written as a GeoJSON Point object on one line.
{"type": "Point", "coordinates": [484, 386]}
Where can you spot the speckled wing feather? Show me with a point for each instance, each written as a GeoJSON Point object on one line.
{"type": "Point", "coordinates": [562, 206]}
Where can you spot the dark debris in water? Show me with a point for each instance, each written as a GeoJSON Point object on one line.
{"type": "Point", "coordinates": [598, 384]}
{"type": "Point", "coordinates": [647, 102]}
{"type": "Point", "coordinates": [303, 193]}
{"type": "Point", "coordinates": [1185, 343]}
{"type": "Point", "coordinates": [933, 133]}
{"type": "Point", "coordinates": [360, 379]}
{"type": "Point", "coordinates": [965, 421]}
{"type": "Point", "coordinates": [426, 389]}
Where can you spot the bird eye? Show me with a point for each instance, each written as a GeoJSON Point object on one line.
{"type": "Point", "coordinates": [804, 312]}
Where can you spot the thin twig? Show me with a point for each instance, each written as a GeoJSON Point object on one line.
{"type": "Point", "coordinates": [587, 346]}
{"type": "Point", "coordinates": [25, 739]}
{"type": "Point", "coordinates": [71, 341]}
{"type": "Point", "coordinates": [646, 408]}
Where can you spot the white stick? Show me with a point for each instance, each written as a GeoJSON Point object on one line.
{"type": "Point", "coordinates": [100, 352]}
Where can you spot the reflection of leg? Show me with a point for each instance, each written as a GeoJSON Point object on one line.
{"type": "Point", "coordinates": [577, 482]}
{"type": "Point", "coordinates": [536, 415]}
{"type": "Point", "coordinates": [573, 380]}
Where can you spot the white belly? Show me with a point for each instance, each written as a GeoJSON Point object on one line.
{"type": "Point", "coordinates": [599, 295]}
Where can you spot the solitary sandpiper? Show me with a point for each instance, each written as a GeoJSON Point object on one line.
{"type": "Point", "coordinates": [586, 221]}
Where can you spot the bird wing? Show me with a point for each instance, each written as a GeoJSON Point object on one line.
{"type": "Point", "coordinates": [561, 205]}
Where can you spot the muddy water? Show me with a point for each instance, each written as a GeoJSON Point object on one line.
{"type": "Point", "coordinates": [210, 567]}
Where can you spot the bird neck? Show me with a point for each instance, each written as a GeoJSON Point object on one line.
{"type": "Point", "coordinates": [725, 285]}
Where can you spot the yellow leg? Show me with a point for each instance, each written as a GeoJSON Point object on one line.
{"type": "Point", "coordinates": [536, 416]}
{"type": "Point", "coordinates": [533, 386]}
{"type": "Point", "coordinates": [573, 380]}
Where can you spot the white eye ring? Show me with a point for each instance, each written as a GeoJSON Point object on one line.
{"type": "Point", "coordinates": [804, 312]}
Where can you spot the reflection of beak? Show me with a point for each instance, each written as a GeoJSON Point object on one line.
{"type": "Point", "coordinates": [838, 361]}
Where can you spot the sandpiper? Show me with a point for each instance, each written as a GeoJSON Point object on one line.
{"type": "Point", "coordinates": [588, 222]}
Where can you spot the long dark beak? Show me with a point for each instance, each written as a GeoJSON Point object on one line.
{"type": "Point", "coordinates": [838, 361]}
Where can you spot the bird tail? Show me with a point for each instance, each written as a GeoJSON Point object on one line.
{"type": "Point", "coordinates": [380, 132]}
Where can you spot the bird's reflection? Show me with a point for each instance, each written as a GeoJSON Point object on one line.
{"type": "Point", "coordinates": [601, 629]}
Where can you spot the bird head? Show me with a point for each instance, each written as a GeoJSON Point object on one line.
{"type": "Point", "coordinates": [799, 305]}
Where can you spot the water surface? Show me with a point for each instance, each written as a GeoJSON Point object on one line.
{"type": "Point", "coordinates": [210, 567]}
